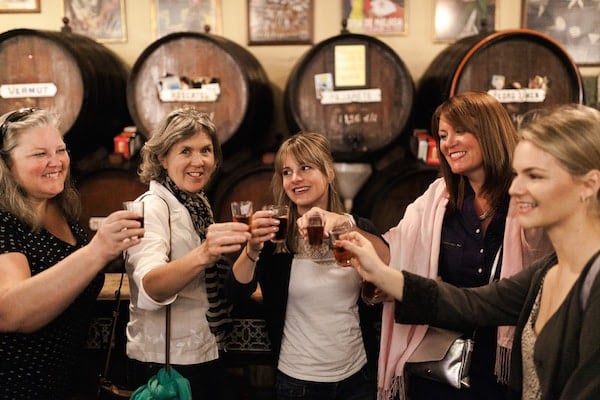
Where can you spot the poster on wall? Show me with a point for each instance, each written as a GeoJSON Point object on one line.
{"type": "Point", "coordinates": [186, 15]}
{"type": "Point", "coordinates": [456, 19]}
{"type": "Point", "coordinates": [375, 17]}
{"type": "Point", "coordinates": [19, 6]}
{"type": "Point", "coordinates": [280, 22]}
{"type": "Point", "coordinates": [575, 24]}
{"type": "Point", "coordinates": [102, 20]}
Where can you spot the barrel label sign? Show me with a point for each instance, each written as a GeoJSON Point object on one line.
{"type": "Point", "coordinates": [519, 95]}
{"type": "Point", "coordinates": [351, 96]}
{"type": "Point", "coordinates": [21, 90]}
{"type": "Point", "coordinates": [208, 93]}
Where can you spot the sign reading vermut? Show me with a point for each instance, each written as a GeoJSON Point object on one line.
{"type": "Point", "coordinates": [20, 90]}
{"type": "Point", "coordinates": [519, 95]}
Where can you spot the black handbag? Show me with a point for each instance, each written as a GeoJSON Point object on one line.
{"type": "Point", "coordinates": [443, 356]}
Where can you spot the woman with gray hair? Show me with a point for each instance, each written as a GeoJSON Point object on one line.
{"type": "Point", "coordinates": [179, 259]}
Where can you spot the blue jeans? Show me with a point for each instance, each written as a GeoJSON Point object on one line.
{"type": "Point", "coordinates": [360, 386]}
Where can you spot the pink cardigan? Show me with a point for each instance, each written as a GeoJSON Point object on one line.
{"type": "Point", "coordinates": [415, 247]}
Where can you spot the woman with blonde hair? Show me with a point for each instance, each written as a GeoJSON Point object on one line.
{"type": "Point", "coordinates": [320, 330]}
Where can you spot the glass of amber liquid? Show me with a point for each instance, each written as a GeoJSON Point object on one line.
{"type": "Point", "coordinates": [241, 211]}
{"type": "Point", "coordinates": [342, 256]}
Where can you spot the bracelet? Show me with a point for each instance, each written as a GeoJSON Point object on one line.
{"type": "Point", "coordinates": [254, 260]}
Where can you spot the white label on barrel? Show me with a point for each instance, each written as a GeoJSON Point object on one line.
{"type": "Point", "coordinates": [19, 90]}
{"type": "Point", "coordinates": [519, 95]}
{"type": "Point", "coordinates": [207, 93]}
{"type": "Point", "coordinates": [351, 96]}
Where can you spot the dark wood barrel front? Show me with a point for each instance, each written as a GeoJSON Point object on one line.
{"type": "Point", "coordinates": [104, 191]}
{"type": "Point", "coordinates": [243, 110]}
{"type": "Point", "coordinates": [89, 81]}
{"type": "Point", "coordinates": [519, 55]}
{"type": "Point", "coordinates": [355, 129]}
{"type": "Point", "coordinates": [386, 194]}
{"type": "Point", "coordinates": [247, 180]}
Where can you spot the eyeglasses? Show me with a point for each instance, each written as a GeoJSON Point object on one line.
{"type": "Point", "coordinates": [15, 116]}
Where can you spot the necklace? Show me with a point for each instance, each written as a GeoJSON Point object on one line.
{"type": "Point", "coordinates": [486, 214]}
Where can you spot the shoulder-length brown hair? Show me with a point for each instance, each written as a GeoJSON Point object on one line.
{"type": "Point", "coordinates": [482, 115]}
{"type": "Point", "coordinates": [307, 148]}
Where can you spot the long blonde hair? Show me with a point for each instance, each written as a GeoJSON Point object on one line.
{"type": "Point", "coordinates": [307, 148]}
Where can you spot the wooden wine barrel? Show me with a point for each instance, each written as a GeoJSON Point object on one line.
{"type": "Point", "coordinates": [366, 95]}
{"type": "Point", "coordinates": [104, 191]}
{"type": "Point", "coordinates": [73, 74]}
{"type": "Point", "coordinates": [247, 180]}
{"type": "Point", "coordinates": [516, 56]}
{"type": "Point", "coordinates": [386, 194]}
{"type": "Point", "coordinates": [242, 111]}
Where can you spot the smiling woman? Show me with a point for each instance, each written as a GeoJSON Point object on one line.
{"type": "Point", "coordinates": [42, 248]}
{"type": "Point", "coordinates": [179, 263]}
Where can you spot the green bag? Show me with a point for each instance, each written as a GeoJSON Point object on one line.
{"type": "Point", "coordinates": [165, 385]}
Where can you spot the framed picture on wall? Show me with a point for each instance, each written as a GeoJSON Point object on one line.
{"type": "Point", "coordinates": [575, 24]}
{"type": "Point", "coordinates": [280, 22]}
{"type": "Point", "coordinates": [20, 6]}
{"type": "Point", "coordinates": [455, 19]}
{"type": "Point", "coordinates": [186, 15]}
{"type": "Point", "coordinates": [103, 20]}
{"type": "Point", "coordinates": [375, 17]}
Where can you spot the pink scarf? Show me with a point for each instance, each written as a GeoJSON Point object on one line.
{"type": "Point", "coordinates": [415, 247]}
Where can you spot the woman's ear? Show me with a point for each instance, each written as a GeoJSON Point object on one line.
{"type": "Point", "coordinates": [591, 182]}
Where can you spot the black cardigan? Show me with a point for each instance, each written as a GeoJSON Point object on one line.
{"type": "Point", "coordinates": [273, 273]}
{"type": "Point", "coordinates": [567, 350]}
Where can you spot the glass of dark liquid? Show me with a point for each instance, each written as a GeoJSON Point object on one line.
{"type": "Point", "coordinates": [137, 207]}
{"type": "Point", "coordinates": [315, 229]}
{"type": "Point", "coordinates": [368, 293]}
{"type": "Point", "coordinates": [281, 213]}
{"type": "Point", "coordinates": [241, 211]}
{"type": "Point", "coordinates": [342, 256]}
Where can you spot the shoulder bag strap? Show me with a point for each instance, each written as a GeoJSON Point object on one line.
{"type": "Point", "coordinates": [589, 281]}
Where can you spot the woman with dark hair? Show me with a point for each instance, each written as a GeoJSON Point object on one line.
{"type": "Point", "coordinates": [464, 231]}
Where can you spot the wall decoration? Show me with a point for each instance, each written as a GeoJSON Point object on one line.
{"type": "Point", "coordinates": [575, 24]}
{"type": "Point", "coordinates": [186, 15]}
{"type": "Point", "coordinates": [455, 19]}
{"type": "Point", "coordinates": [20, 6]}
{"type": "Point", "coordinates": [376, 17]}
{"type": "Point", "coordinates": [103, 20]}
{"type": "Point", "coordinates": [280, 22]}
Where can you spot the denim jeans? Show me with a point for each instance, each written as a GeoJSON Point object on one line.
{"type": "Point", "coordinates": [360, 386]}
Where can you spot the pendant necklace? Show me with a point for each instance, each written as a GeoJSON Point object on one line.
{"type": "Point", "coordinates": [486, 214]}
